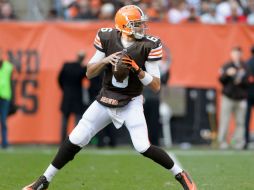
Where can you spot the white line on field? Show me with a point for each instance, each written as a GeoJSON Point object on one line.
{"type": "Point", "coordinates": [129, 152]}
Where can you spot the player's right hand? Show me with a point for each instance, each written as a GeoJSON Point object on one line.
{"type": "Point", "coordinates": [113, 58]}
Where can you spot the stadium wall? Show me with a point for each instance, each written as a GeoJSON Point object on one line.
{"type": "Point", "coordinates": [38, 51]}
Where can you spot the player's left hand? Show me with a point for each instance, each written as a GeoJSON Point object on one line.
{"type": "Point", "coordinates": [131, 63]}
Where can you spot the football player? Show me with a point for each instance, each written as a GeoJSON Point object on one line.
{"type": "Point", "coordinates": [119, 102]}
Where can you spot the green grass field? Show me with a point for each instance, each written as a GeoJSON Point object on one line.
{"type": "Point", "coordinates": [124, 169]}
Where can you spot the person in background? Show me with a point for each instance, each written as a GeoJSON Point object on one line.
{"type": "Point", "coordinates": [234, 80]}
{"type": "Point", "coordinates": [7, 12]}
{"type": "Point", "coordinates": [250, 16]}
{"type": "Point", "coordinates": [52, 15]}
{"type": "Point", "coordinates": [153, 102]}
{"type": "Point", "coordinates": [6, 69]}
{"type": "Point", "coordinates": [85, 11]}
{"type": "Point", "coordinates": [193, 17]}
{"type": "Point", "coordinates": [235, 16]}
{"type": "Point", "coordinates": [107, 11]}
{"type": "Point", "coordinates": [224, 8]}
{"type": "Point", "coordinates": [250, 97]}
{"type": "Point", "coordinates": [70, 81]}
{"type": "Point", "coordinates": [178, 12]}
{"type": "Point", "coordinates": [210, 17]}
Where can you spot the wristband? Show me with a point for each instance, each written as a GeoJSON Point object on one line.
{"type": "Point", "coordinates": [147, 79]}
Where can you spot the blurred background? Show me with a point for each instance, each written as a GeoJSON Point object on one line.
{"type": "Point", "coordinates": [38, 37]}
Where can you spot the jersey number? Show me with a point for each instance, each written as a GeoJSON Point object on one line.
{"type": "Point", "coordinates": [123, 84]}
{"type": "Point", "coordinates": [151, 38]}
{"type": "Point", "coordinates": [106, 29]}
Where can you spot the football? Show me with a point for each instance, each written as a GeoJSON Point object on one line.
{"type": "Point", "coordinates": [120, 70]}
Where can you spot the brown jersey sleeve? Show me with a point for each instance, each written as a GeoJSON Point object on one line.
{"type": "Point", "coordinates": [155, 51]}
{"type": "Point", "coordinates": [101, 38]}
{"type": "Point", "coordinates": [97, 43]}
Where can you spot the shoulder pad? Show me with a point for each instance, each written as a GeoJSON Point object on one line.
{"type": "Point", "coordinates": [154, 41]}
{"type": "Point", "coordinates": [155, 48]}
{"type": "Point", "coordinates": [105, 33]}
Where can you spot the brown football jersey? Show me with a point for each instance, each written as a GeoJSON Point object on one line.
{"type": "Point", "coordinates": [117, 94]}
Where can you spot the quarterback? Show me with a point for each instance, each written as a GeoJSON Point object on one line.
{"type": "Point", "coordinates": [120, 100]}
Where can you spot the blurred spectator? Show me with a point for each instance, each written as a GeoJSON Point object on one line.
{"type": "Point", "coordinates": [2, 2]}
{"type": "Point", "coordinates": [250, 99]}
{"type": "Point", "coordinates": [6, 69]}
{"type": "Point", "coordinates": [70, 9]}
{"type": "Point", "coordinates": [107, 11]}
{"type": "Point", "coordinates": [52, 15]}
{"type": "Point", "coordinates": [210, 17]}
{"type": "Point", "coordinates": [66, 3]}
{"type": "Point", "coordinates": [250, 17]}
{"type": "Point", "coordinates": [244, 5]}
{"type": "Point", "coordinates": [174, 11]}
{"type": "Point", "coordinates": [196, 4]}
{"type": "Point", "coordinates": [95, 7]}
{"type": "Point", "coordinates": [235, 17]}
{"type": "Point", "coordinates": [234, 80]}
{"type": "Point", "coordinates": [70, 81]}
{"type": "Point", "coordinates": [85, 11]}
{"type": "Point", "coordinates": [155, 10]}
{"type": "Point", "coordinates": [7, 12]}
{"type": "Point", "coordinates": [193, 17]}
{"type": "Point", "coordinates": [205, 7]}
{"type": "Point", "coordinates": [79, 9]}
{"type": "Point", "coordinates": [224, 8]}
{"type": "Point", "coordinates": [178, 12]}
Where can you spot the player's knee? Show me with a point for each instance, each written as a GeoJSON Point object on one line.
{"type": "Point", "coordinates": [82, 133]}
{"type": "Point", "coordinates": [141, 148]}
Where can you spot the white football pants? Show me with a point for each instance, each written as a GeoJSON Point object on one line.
{"type": "Point", "coordinates": [97, 116]}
